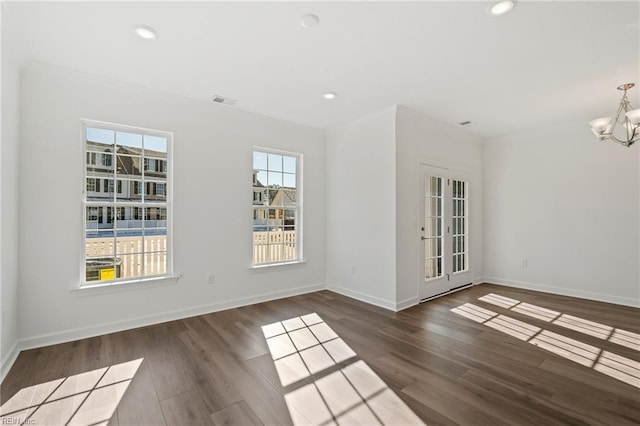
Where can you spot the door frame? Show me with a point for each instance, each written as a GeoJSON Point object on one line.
{"type": "Point", "coordinates": [449, 281]}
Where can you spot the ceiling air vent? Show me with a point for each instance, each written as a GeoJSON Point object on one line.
{"type": "Point", "coordinates": [224, 101]}
{"type": "Point", "coordinates": [465, 123]}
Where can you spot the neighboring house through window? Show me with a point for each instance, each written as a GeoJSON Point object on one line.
{"type": "Point", "coordinates": [126, 232]}
{"type": "Point", "coordinates": [277, 208]}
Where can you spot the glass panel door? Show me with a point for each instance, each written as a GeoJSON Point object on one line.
{"type": "Point", "coordinates": [460, 226]}
{"type": "Point", "coordinates": [432, 228]}
{"type": "Point", "coordinates": [444, 231]}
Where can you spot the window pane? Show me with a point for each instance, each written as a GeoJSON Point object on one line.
{"type": "Point", "coordinates": [289, 180]}
{"type": "Point", "coordinates": [433, 206]}
{"type": "Point", "coordinates": [129, 140]}
{"type": "Point", "coordinates": [429, 268]}
{"type": "Point", "coordinates": [261, 178]}
{"type": "Point", "coordinates": [131, 265]}
{"type": "Point", "coordinates": [155, 146]}
{"type": "Point", "coordinates": [274, 197]}
{"type": "Point", "coordinates": [289, 164]}
{"type": "Point", "coordinates": [289, 217]}
{"type": "Point", "coordinates": [99, 244]}
{"type": "Point", "coordinates": [154, 243]}
{"type": "Point", "coordinates": [128, 242]}
{"type": "Point", "coordinates": [101, 269]}
{"type": "Point", "coordinates": [275, 162]}
{"type": "Point", "coordinates": [260, 219]}
{"type": "Point", "coordinates": [275, 179]}
{"type": "Point", "coordinates": [155, 222]}
{"type": "Point", "coordinates": [102, 136]}
{"type": "Point", "coordinates": [155, 263]}
{"type": "Point", "coordinates": [259, 160]}
{"type": "Point", "coordinates": [128, 163]}
{"type": "Point", "coordinates": [129, 218]}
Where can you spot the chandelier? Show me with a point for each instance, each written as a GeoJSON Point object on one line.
{"type": "Point", "coordinates": [605, 128]}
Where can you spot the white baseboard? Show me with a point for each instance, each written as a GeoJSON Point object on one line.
{"type": "Point", "coordinates": [600, 297]}
{"type": "Point", "coordinates": [372, 300]}
{"type": "Point", "coordinates": [8, 361]}
{"type": "Point", "coordinates": [112, 327]}
{"type": "Point", "coordinates": [407, 303]}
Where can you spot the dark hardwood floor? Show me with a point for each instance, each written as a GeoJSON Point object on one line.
{"type": "Point", "coordinates": [482, 364]}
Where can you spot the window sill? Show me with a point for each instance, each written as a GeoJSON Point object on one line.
{"type": "Point", "coordinates": [95, 289]}
{"type": "Point", "coordinates": [281, 265]}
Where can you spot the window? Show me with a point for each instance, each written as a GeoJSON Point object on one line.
{"type": "Point", "coordinates": [91, 185]}
{"type": "Point", "coordinates": [277, 207]}
{"type": "Point", "coordinates": [99, 159]}
{"type": "Point", "coordinates": [126, 231]}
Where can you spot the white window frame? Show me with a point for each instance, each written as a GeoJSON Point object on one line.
{"type": "Point", "coordinates": [169, 273]}
{"type": "Point", "coordinates": [299, 258]}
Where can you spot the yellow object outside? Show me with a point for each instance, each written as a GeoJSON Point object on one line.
{"type": "Point", "coordinates": [107, 274]}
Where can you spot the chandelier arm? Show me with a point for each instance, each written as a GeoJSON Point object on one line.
{"type": "Point", "coordinates": [616, 119]}
{"type": "Point", "coordinates": [632, 132]}
{"type": "Point", "coordinates": [628, 142]}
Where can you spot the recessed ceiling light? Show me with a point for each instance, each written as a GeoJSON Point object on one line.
{"type": "Point", "coordinates": [146, 32]}
{"type": "Point", "coordinates": [309, 20]}
{"type": "Point", "coordinates": [502, 7]}
{"type": "Point", "coordinates": [329, 95]}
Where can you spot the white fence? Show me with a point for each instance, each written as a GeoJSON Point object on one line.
{"type": "Point", "coordinates": [268, 247]}
{"type": "Point", "coordinates": [129, 251]}
{"type": "Point", "coordinates": [274, 246]}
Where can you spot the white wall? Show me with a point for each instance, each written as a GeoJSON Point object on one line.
{"type": "Point", "coordinates": [361, 208]}
{"type": "Point", "coordinates": [9, 122]}
{"type": "Point", "coordinates": [212, 186]}
{"type": "Point", "coordinates": [569, 205]}
{"type": "Point", "coordinates": [420, 139]}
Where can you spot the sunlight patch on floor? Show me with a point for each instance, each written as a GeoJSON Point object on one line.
{"type": "Point", "coordinates": [513, 327]}
{"type": "Point", "coordinates": [473, 312]}
{"type": "Point", "coordinates": [619, 367]}
{"type": "Point", "coordinates": [496, 299]}
{"type": "Point", "coordinates": [605, 362]}
{"type": "Point", "coordinates": [88, 398]}
{"type": "Point", "coordinates": [581, 325]}
{"type": "Point", "coordinates": [536, 311]}
{"type": "Point", "coordinates": [306, 348]}
{"type": "Point", "coordinates": [625, 338]}
{"type": "Point", "coordinates": [584, 326]}
{"type": "Point", "coordinates": [570, 349]}
{"type": "Point", "coordinates": [352, 395]}
{"type": "Point", "coordinates": [303, 346]}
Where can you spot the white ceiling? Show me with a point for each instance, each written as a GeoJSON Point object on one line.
{"type": "Point", "coordinates": [544, 63]}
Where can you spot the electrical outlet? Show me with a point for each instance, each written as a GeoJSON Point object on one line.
{"type": "Point", "coordinates": [525, 263]}
{"type": "Point", "coordinates": [352, 268]}
{"type": "Point", "coordinates": [212, 279]}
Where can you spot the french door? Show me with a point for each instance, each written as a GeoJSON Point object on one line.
{"type": "Point", "coordinates": [444, 231]}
